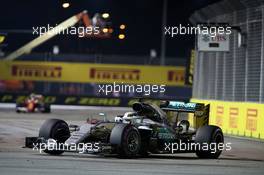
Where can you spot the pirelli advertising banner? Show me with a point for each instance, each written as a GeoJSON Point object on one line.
{"type": "Point", "coordinates": [91, 73]}
{"type": "Point", "coordinates": [236, 118]}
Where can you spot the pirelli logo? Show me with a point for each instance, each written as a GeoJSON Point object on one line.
{"type": "Point", "coordinates": [252, 116]}
{"type": "Point", "coordinates": [233, 117]}
{"type": "Point", "coordinates": [176, 76]}
{"type": "Point", "coordinates": [219, 115]}
{"type": "Point", "coordinates": [115, 74]}
{"type": "Point", "coordinates": [36, 71]}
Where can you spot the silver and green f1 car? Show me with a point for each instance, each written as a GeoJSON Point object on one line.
{"type": "Point", "coordinates": [148, 129]}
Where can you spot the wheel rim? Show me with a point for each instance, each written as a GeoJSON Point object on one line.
{"type": "Point", "coordinates": [132, 142]}
{"type": "Point", "coordinates": [61, 133]}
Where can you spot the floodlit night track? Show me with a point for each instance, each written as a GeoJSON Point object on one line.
{"type": "Point", "coordinates": [246, 156]}
{"type": "Point", "coordinates": [135, 87]}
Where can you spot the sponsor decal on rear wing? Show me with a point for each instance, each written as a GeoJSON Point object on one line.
{"type": "Point", "coordinates": [182, 107]}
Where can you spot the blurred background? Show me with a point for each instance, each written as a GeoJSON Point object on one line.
{"type": "Point", "coordinates": [132, 48]}
{"type": "Point", "coordinates": [133, 35]}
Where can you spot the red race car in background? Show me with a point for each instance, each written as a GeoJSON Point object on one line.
{"type": "Point", "coordinates": [34, 103]}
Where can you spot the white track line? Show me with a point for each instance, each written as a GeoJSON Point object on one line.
{"type": "Point", "coordinates": [7, 105]}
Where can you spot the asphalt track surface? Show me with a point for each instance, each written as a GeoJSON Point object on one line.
{"type": "Point", "coordinates": [246, 156]}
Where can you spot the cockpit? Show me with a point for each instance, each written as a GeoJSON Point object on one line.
{"type": "Point", "coordinates": [150, 113]}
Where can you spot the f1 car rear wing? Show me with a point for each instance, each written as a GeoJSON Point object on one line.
{"type": "Point", "coordinates": [181, 106]}
{"type": "Point", "coordinates": [200, 110]}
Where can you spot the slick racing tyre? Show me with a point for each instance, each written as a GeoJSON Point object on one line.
{"type": "Point", "coordinates": [54, 129]}
{"type": "Point", "coordinates": [127, 139]}
{"type": "Point", "coordinates": [46, 108]}
{"type": "Point", "coordinates": [212, 136]}
{"type": "Point", "coordinates": [18, 106]}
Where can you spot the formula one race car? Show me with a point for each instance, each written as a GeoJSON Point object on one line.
{"type": "Point", "coordinates": [148, 129]}
{"type": "Point", "coordinates": [33, 103]}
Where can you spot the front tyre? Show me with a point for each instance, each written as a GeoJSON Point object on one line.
{"type": "Point", "coordinates": [127, 139]}
{"type": "Point", "coordinates": [212, 136]}
{"type": "Point", "coordinates": [55, 129]}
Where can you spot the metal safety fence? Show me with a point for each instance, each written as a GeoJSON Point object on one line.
{"type": "Point", "coordinates": [237, 75]}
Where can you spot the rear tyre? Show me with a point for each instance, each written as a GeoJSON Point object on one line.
{"type": "Point", "coordinates": [212, 136]}
{"type": "Point", "coordinates": [55, 129]}
{"type": "Point", "coordinates": [46, 108]}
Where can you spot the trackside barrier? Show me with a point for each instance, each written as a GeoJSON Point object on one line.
{"type": "Point", "coordinates": [77, 100]}
{"type": "Point", "coordinates": [236, 118]}
{"type": "Point", "coordinates": [91, 73]}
